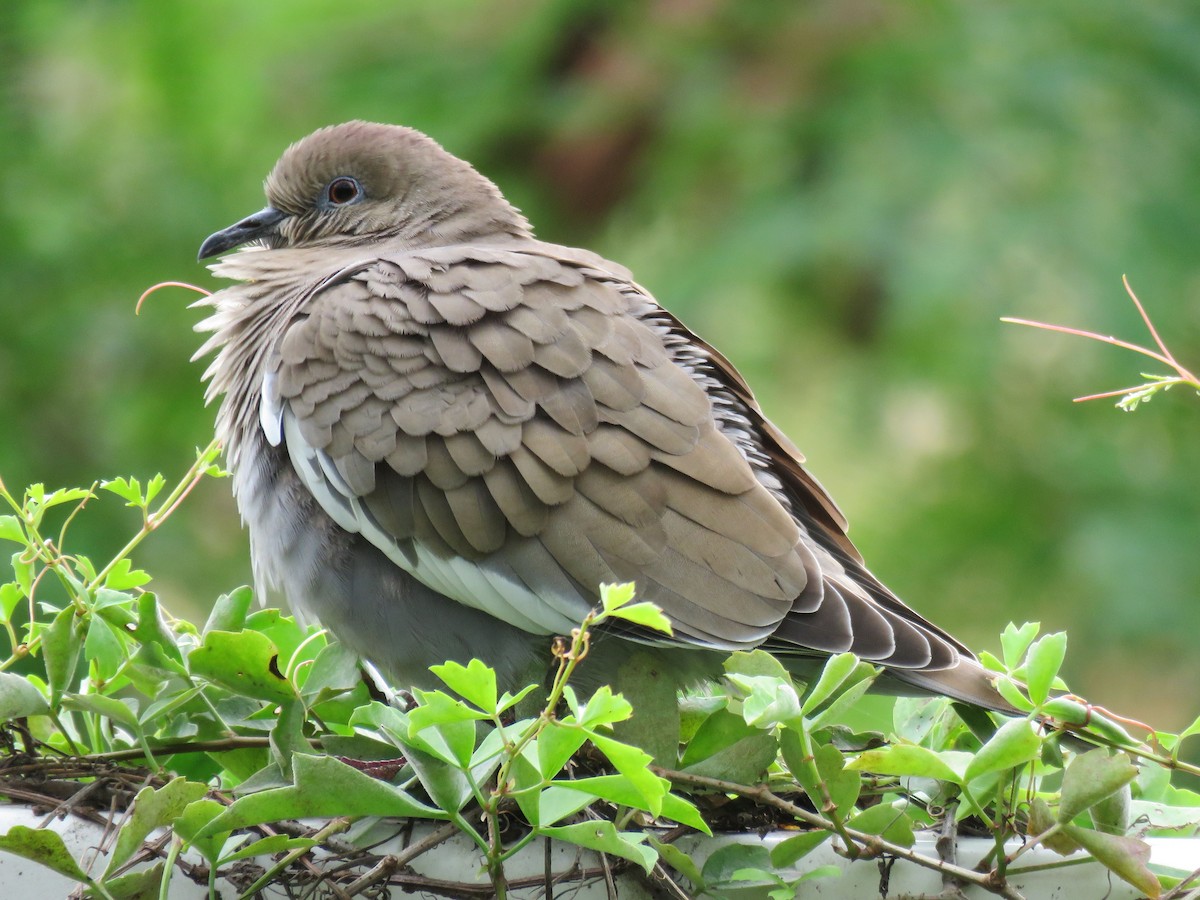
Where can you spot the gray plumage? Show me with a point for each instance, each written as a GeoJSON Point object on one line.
{"type": "Point", "coordinates": [445, 434]}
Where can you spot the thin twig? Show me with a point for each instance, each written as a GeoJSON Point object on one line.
{"type": "Point", "coordinates": [872, 842]}
{"type": "Point", "coordinates": [396, 861]}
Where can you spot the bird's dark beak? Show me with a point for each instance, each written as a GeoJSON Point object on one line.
{"type": "Point", "coordinates": [257, 226]}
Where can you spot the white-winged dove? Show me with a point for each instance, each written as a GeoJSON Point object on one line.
{"type": "Point", "coordinates": [445, 434]}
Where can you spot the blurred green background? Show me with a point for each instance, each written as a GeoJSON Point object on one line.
{"type": "Point", "coordinates": [843, 196]}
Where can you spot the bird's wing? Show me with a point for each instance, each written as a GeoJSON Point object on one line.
{"type": "Point", "coordinates": [858, 612]}
{"type": "Point", "coordinates": [515, 427]}
{"type": "Point", "coordinates": [506, 428]}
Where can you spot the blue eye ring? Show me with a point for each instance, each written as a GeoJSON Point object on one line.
{"type": "Point", "coordinates": [343, 190]}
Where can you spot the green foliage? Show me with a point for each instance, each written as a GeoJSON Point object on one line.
{"type": "Point", "coordinates": [844, 199]}
{"type": "Point", "coordinates": [238, 724]}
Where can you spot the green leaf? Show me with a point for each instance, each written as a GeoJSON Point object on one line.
{"type": "Point", "coordinates": [724, 862]}
{"type": "Point", "coordinates": [990, 662]}
{"type": "Point", "coordinates": [680, 810]}
{"type": "Point", "coordinates": [886, 821]}
{"type": "Point", "coordinates": [1044, 660]}
{"type": "Point", "coordinates": [913, 761]}
{"type": "Point", "coordinates": [474, 682]}
{"type": "Point", "coordinates": [122, 576]}
{"type": "Point", "coordinates": [1040, 820]}
{"type": "Point", "coordinates": [104, 647]}
{"type": "Point", "coordinates": [22, 572]}
{"type": "Point", "coordinates": [837, 669]}
{"type": "Point", "coordinates": [44, 847]}
{"type": "Point", "coordinates": [755, 662]}
{"type": "Point", "coordinates": [10, 599]}
{"type": "Point", "coordinates": [555, 745]}
{"type": "Point", "coordinates": [61, 643]}
{"type": "Point", "coordinates": [1011, 691]}
{"type": "Point", "coordinates": [159, 648]}
{"type": "Point", "coordinates": [603, 708]}
{"type": "Point", "coordinates": [860, 682]}
{"type": "Point", "coordinates": [913, 718]}
{"type": "Point", "coordinates": [507, 700]}
{"type": "Point", "coordinates": [788, 852]}
{"type": "Point", "coordinates": [1090, 778]}
{"type": "Point", "coordinates": [1015, 743]}
{"type": "Point", "coordinates": [1113, 813]}
{"type": "Point", "coordinates": [614, 596]}
{"type": "Point", "coordinates": [334, 672]}
{"type": "Point", "coordinates": [646, 614]}
{"type": "Point", "coordinates": [631, 763]}
{"type": "Point", "coordinates": [604, 837]}
{"type": "Point", "coordinates": [768, 700]}
{"type": "Point", "coordinates": [64, 495]}
{"type": "Point", "coordinates": [154, 485]}
{"type": "Point", "coordinates": [1015, 641]}
{"type": "Point", "coordinates": [142, 884]}
{"type": "Point", "coordinates": [280, 629]}
{"type": "Point", "coordinates": [677, 860]}
{"type": "Point", "coordinates": [287, 734]}
{"type": "Point", "coordinates": [194, 817]}
{"type": "Point", "coordinates": [726, 747]}
{"type": "Point", "coordinates": [229, 612]}
{"type": "Point", "coordinates": [110, 707]}
{"type": "Point", "coordinates": [841, 784]}
{"type": "Point", "coordinates": [323, 788]}
{"type": "Point", "coordinates": [20, 698]}
{"type": "Point", "coordinates": [614, 788]}
{"type": "Point", "coordinates": [152, 809]}
{"type": "Point", "coordinates": [651, 690]}
{"type": "Point", "coordinates": [128, 489]}
{"type": "Point", "coordinates": [246, 662]}
{"type": "Point", "coordinates": [553, 804]}
{"type": "Point", "coordinates": [268, 846]}
{"type": "Point", "coordinates": [1126, 857]}
{"type": "Point", "coordinates": [446, 785]}
{"type": "Point", "coordinates": [11, 530]}
{"type": "Point", "coordinates": [439, 708]}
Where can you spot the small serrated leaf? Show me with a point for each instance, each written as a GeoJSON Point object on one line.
{"type": "Point", "coordinates": [128, 489]}
{"type": "Point", "coordinates": [614, 596]}
{"type": "Point", "coordinates": [11, 530]}
{"type": "Point", "coordinates": [153, 486]}
{"type": "Point", "coordinates": [152, 809]}
{"type": "Point", "coordinates": [645, 614]}
{"type": "Point", "coordinates": [474, 682]}
{"type": "Point", "coordinates": [323, 788]}
{"type": "Point", "coordinates": [230, 610]}
{"type": "Point", "coordinates": [244, 661]}
{"type": "Point", "coordinates": [122, 576]}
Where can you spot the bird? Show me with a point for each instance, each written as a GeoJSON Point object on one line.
{"type": "Point", "coordinates": [445, 434]}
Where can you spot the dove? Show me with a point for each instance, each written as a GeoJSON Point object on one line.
{"type": "Point", "coordinates": [445, 434]}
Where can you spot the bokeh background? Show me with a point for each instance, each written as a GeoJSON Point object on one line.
{"type": "Point", "coordinates": [843, 196]}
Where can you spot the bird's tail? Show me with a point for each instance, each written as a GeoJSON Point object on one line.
{"type": "Point", "coordinates": [966, 681]}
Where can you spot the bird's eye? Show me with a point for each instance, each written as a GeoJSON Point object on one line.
{"type": "Point", "coordinates": [342, 191]}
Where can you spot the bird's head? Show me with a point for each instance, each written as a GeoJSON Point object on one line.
{"type": "Point", "coordinates": [362, 181]}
